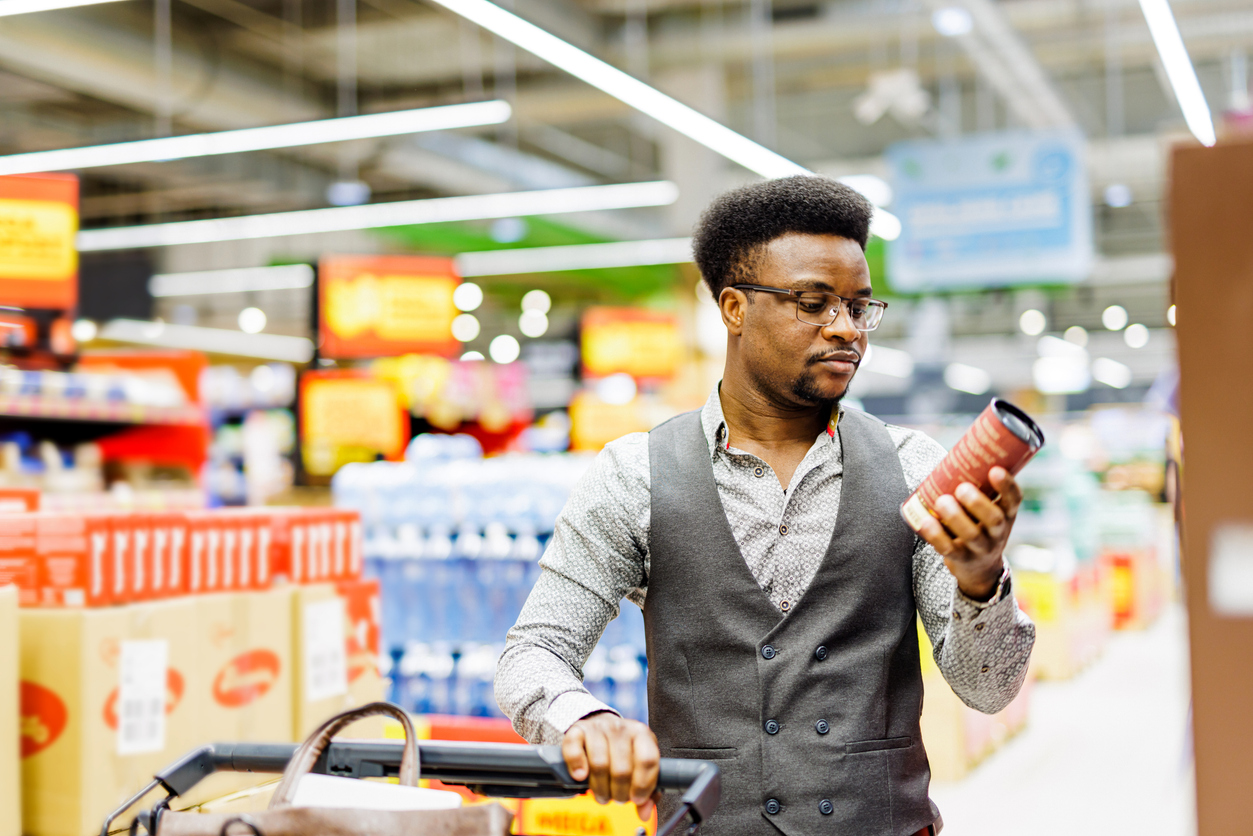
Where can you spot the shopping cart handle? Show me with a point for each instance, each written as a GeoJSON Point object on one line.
{"type": "Point", "coordinates": [496, 769]}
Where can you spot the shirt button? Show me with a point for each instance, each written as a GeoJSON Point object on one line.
{"type": "Point", "coordinates": [768, 652]}
{"type": "Point", "coordinates": [978, 627]}
{"type": "Point", "coordinates": [785, 605]}
{"type": "Point", "coordinates": [826, 807]}
{"type": "Point", "coordinates": [957, 616]}
{"type": "Point", "coordinates": [984, 669]}
{"type": "Point", "coordinates": [822, 727]}
{"type": "Point", "coordinates": [821, 653]}
{"type": "Point", "coordinates": [772, 727]}
{"type": "Point", "coordinates": [759, 472]}
{"type": "Point", "coordinates": [773, 806]}
{"type": "Point", "coordinates": [783, 528]}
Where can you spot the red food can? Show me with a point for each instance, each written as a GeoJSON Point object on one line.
{"type": "Point", "coordinates": [1003, 435]}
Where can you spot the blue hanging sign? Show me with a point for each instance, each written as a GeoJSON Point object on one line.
{"type": "Point", "coordinates": [990, 210]}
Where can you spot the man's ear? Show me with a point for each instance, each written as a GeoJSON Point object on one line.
{"type": "Point", "coordinates": [733, 304]}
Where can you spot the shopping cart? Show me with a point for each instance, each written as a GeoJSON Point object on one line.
{"type": "Point", "coordinates": [502, 770]}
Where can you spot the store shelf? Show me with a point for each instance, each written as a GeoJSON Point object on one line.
{"type": "Point", "coordinates": [104, 412]}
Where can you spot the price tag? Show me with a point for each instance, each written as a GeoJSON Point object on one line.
{"type": "Point", "coordinates": [141, 696]}
{"type": "Point", "coordinates": [326, 665]}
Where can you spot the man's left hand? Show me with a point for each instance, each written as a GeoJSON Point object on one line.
{"type": "Point", "coordinates": [974, 531]}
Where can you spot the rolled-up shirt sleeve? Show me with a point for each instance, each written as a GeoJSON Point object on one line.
{"type": "Point", "coordinates": [598, 554]}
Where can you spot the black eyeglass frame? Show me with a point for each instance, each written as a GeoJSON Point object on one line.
{"type": "Point", "coordinates": [844, 303]}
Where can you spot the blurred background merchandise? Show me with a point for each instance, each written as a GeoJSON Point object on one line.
{"type": "Point", "coordinates": [288, 281]}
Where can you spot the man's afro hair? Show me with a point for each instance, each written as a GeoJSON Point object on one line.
{"type": "Point", "coordinates": [734, 228]}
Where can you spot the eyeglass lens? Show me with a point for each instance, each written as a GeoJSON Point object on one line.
{"type": "Point", "coordinates": [820, 309]}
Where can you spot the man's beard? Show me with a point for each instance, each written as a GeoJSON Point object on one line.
{"type": "Point", "coordinates": [805, 389]}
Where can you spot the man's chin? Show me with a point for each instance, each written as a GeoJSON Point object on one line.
{"type": "Point", "coordinates": [811, 391]}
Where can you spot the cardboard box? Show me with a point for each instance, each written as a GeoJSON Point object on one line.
{"type": "Point", "coordinates": [244, 649]}
{"type": "Point", "coordinates": [87, 746]}
{"type": "Point", "coordinates": [10, 763]}
{"type": "Point", "coordinates": [74, 559]}
{"type": "Point", "coordinates": [335, 669]}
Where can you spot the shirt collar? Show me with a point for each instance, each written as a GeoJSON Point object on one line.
{"type": "Point", "coordinates": [714, 423]}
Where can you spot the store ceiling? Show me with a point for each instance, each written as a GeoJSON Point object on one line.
{"type": "Point", "coordinates": [787, 75]}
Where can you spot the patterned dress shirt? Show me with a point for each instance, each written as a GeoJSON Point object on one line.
{"type": "Point", "coordinates": [599, 554]}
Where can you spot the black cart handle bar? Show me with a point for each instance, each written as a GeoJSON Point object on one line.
{"type": "Point", "coordinates": [504, 770]}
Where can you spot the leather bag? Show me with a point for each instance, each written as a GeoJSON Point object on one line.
{"type": "Point", "coordinates": [282, 819]}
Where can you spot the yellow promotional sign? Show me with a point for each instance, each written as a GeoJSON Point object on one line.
{"type": "Point", "coordinates": [38, 224]}
{"type": "Point", "coordinates": [380, 306]}
{"type": "Point", "coordinates": [581, 816]}
{"type": "Point", "coordinates": [345, 417]}
{"type": "Point", "coordinates": [641, 343]}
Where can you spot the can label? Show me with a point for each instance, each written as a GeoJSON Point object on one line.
{"type": "Point", "coordinates": [987, 444]}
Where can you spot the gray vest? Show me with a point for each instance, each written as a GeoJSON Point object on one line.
{"type": "Point", "coordinates": [813, 716]}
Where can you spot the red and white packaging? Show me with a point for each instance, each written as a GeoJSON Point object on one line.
{"type": "Point", "coordinates": [229, 555]}
{"type": "Point", "coordinates": [203, 544]}
{"type": "Point", "coordinates": [140, 586]}
{"type": "Point", "coordinates": [18, 562]}
{"type": "Point", "coordinates": [169, 541]}
{"type": "Point", "coordinates": [176, 567]}
{"type": "Point", "coordinates": [19, 500]}
{"type": "Point", "coordinates": [121, 556]}
{"type": "Point", "coordinates": [72, 550]}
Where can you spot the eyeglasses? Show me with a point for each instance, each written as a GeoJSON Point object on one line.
{"type": "Point", "coordinates": [817, 308]}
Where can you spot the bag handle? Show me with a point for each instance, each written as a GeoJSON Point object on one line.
{"type": "Point", "coordinates": [307, 755]}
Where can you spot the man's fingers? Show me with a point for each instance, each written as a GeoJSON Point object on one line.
{"type": "Point", "coordinates": [647, 760]}
{"type": "Point", "coordinates": [597, 746]}
{"type": "Point", "coordinates": [645, 808]}
{"type": "Point", "coordinates": [933, 532]}
{"type": "Point", "coordinates": [986, 512]}
{"type": "Point", "coordinates": [572, 751]}
{"type": "Point", "coordinates": [620, 771]}
{"type": "Point", "coordinates": [1009, 489]}
{"type": "Point", "coordinates": [956, 520]}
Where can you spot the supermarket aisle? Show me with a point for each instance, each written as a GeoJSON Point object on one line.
{"type": "Point", "coordinates": [1106, 753]}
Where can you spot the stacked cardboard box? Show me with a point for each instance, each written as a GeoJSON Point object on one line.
{"type": "Point", "coordinates": [10, 730]}
{"type": "Point", "coordinates": [143, 636]}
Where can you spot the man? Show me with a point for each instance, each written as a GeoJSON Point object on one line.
{"type": "Point", "coordinates": [781, 631]}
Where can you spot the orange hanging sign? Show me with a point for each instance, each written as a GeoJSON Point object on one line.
{"type": "Point", "coordinates": [383, 306]}
{"type": "Point", "coordinates": [348, 416]}
{"type": "Point", "coordinates": [38, 225]}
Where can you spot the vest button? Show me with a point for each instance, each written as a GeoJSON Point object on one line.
{"type": "Point", "coordinates": [772, 727]}
{"type": "Point", "coordinates": [826, 807]}
{"type": "Point", "coordinates": [822, 727]}
{"type": "Point", "coordinates": [768, 652]}
{"type": "Point", "coordinates": [821, 653]}
{"type": "Point", "coordinates": [773, 806]}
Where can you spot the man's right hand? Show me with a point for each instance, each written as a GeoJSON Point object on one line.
{"type": "Point", "coordinates": [617, 757]}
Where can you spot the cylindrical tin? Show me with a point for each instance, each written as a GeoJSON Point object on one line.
{"type": "Point", "coordinates": [1003, 435]}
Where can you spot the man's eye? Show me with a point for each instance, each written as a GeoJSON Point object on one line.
{"type": "Point", "coordinates": [812, 305]}
{"type": "Point", "coordinates": [857, 310]}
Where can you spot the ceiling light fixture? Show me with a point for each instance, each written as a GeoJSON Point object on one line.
{"type": "Point", "coordinates": [239, 280]}
{"type": "Point", "coordinates": [575, 257]}
{"type": "Point", "coordinates": [375, 215]}
{"type": "Point", "coordinates": [635, 93]}
{"type": "Point", "coordinates": [1179, 69]}
{"type": "Point", "coordinates": [266, 138]}
{"type": "Point", "coordinates": [23, 7]}
{"type": "Point", "coordinates": [211, 340]}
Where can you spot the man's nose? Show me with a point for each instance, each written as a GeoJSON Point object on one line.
{"type": "Point", "coordinates": [842, 328]}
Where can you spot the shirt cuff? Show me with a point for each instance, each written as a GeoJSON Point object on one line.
{"type": "Point", "coordinates": [570, 707]}
{"type": "Point", "coordinates": [969, 606]}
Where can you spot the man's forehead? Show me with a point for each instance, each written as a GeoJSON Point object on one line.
{"type": "Point", "coordinates": [818, 262]}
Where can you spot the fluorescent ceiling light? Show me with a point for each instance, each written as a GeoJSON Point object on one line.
{"type": "Point", "coordinates": [631, 91]}
{"type": "Point", "coordinates": [211, 340]}
{"type": "Point", "coordinates": [22, 7]}
{"type": "Point", "coordinates": [375, 215]}
{"type": "Point", "coordinates": [576, 257]}
{"type": "Point", "coordinates": [241, 280]}
{"type": "Point", "coordinates": [1179, 68]}
{"type": "Point", "coordinates": [260, 139]}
